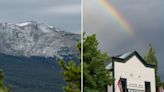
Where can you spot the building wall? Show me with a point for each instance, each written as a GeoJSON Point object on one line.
{"type": "Point", "coordinates": [110, 88]}
{"type": "Point", "coordinates": [135, 73]}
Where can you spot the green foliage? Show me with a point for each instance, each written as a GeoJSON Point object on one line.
{"type": "Point", "coordinates": [2, 87]}
{"type": "Point", "coordinates": [152, 59]}
{"type": "Point", "coordinates": [72, 74]}
{"type": "Point", "coordinates": [96, 77]}
{"type": "Point", "coordinates": [1, 78]}
{"type": "Point", "coordinates": [10, 88]}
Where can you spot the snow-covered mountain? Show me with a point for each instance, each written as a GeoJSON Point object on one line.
{"type": "Point", "coordinates": [36, 39]}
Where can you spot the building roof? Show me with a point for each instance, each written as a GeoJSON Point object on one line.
{"type": "Point", "coordinates": [109, 66]}
{"type": "Point", "coordinates": [124, 55]}
{"type": "Point", "coordinates": [122, 58]}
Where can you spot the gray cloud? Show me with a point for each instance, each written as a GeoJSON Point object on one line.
{"type": "Point", "coordinates": [64, 14]}
{"type": "Point", "coordinates": [144, 16]}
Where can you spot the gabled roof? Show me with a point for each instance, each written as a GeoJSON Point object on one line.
{"type": "Point", "coordinates": [123, 56]}
{"type": "Point", "coordinates": [126, 56]}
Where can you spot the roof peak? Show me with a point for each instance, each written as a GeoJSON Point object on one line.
{"type": "Point", "coordinates": [125, 55]}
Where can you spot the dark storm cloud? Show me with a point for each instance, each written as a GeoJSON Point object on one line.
{"type": "Point", "coordinates": [144, 16]}
{"type": "Point", "coordinates": [64, 14]}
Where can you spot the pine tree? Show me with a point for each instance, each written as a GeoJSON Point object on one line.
{"type": "Point", "coordinates": [96, 77]}
{"type": "Point", "coordinates": [152, 59]}
{"type": "Point", "coordinates": [72, 74]}
{"type": "Point", "coordinates": [2, 87]}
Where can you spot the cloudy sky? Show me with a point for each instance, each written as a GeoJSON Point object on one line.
{"type": "Point", "coordinates": [144, 16]}
{"type": "Point", "coordinates": [63, 14]}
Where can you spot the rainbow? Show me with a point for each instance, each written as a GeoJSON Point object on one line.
{"type": "Point", "coordinates": [123, 23]}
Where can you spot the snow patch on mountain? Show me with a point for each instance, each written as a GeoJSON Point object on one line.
{"type": "Point", "coordinates": [23, 24]}
{"type": "Point", "coordinates": [36, 39]}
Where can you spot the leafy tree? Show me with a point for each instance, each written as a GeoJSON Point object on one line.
{"type": "Point", "coordinates": [152, 59]}
{"type": "Point", "coordinates": [72, 74]}
{"type": "Point", "coordinates": [96, 77]}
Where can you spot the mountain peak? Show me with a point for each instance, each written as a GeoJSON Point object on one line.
{"type": "Point", "coordinates": [33, 38]}
{"type": "Point", "coordinates": [23, 23]}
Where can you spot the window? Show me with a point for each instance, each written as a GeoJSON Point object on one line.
{"type": "Point", "coordinates": [147, 87]}
{"type": "Point", "coordinates": [124, 84]}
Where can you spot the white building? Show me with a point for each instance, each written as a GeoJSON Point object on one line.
{"type": "Point", "coordinates": [135, 74]}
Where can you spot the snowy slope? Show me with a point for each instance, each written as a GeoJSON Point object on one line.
{"type": "Point", "coordinates": [36, 39]}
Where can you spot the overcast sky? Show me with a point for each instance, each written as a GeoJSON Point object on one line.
{"type": "Point", "coordinates": [63, 14]}
{"type": "Point", "coordinates": [144, 16]}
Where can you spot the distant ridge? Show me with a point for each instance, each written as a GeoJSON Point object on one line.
{"type": "Point", "coordinates": [33, 38]}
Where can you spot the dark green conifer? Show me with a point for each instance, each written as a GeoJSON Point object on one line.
{"type": "Point", "coordinates": [96, 77]}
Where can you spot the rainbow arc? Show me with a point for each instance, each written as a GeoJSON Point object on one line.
{"type": "Point", "coordinates": [119, 18]}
